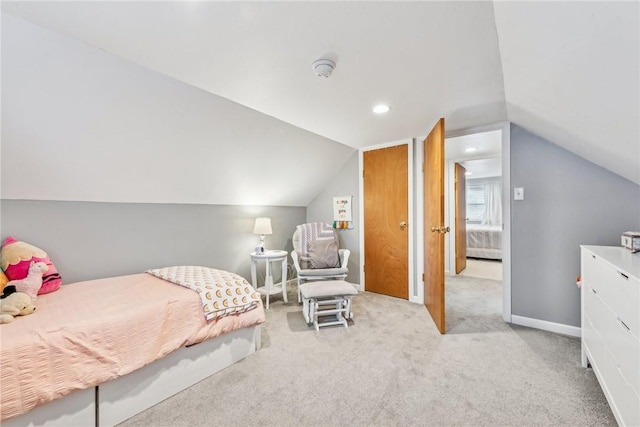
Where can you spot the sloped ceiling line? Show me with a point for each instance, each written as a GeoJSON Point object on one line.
{"type": "Point", "coordinates": [567, 71]}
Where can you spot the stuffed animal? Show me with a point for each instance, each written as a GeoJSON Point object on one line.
{"type": "Point", "coordinates": [3, 280]}
{"type": "Point", "coordinates": [31, 284]}
{"type": "Point", "coordinates": [14, 303]}
{"type": "Point", "coordinates": [15, 258]}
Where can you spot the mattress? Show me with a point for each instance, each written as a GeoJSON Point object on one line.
{"type": "Point", "coordinates": [91, 332]}
{"type": "Point", "coordinates": [484, 241]}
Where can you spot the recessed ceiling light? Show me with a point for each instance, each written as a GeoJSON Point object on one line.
{"type": "Point", "coordinates": [381, 109]}
{"type": "Point", "coordinates": [468, 173]}
{"type": "Point", "coordinates": [470, 150]}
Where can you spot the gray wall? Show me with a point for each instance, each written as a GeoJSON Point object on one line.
{"type": "Point", "coordinates": [568, 202]}
{"type": "Point", "coordinates": [344, 183]}
{"type": "Point", "coordinates": [87, 240]}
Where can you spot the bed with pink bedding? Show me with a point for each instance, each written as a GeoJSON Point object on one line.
{"type": "Point", "coordinates": [89, 334]}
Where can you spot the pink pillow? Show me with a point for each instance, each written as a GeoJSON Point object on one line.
{"type": "Point", "coordinates": [16, 257]}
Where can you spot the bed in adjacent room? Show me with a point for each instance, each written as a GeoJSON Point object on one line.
{"type": "Point", "coordinates": [110, 348]}
{"type": "Point", "coordinates": [484, 241]}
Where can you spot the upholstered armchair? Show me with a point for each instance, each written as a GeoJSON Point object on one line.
{"type": "Point", "coordinates": [316, 255]}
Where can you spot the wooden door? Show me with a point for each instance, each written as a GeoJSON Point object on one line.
{"type": "Point", "coordinates": [434, 229]}
{"type": "Point", "coordinates": [461, 218]}
{"type": "Point", "coordinates": [386, 211]}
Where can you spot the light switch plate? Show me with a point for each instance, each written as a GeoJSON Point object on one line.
{"type": "Point", "coordinates": [518, 193]}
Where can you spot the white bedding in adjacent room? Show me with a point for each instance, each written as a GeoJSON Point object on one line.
{"type": "Point", "coordinates": [484, 241]}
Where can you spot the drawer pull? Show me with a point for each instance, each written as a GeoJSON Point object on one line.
{"type": "Point", "coordinates": [623, 275]}
{"type": "Point", "coordinates": [594, 291]}
{"type": "Point", "coordinates": [623, 324]}
{"type": "Point", "coordinates": [593, 256]}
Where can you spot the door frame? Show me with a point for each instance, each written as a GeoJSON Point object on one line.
{"type": "Point", "coordinates": [416, 210]}
{"type": "Point", "coordinates": [454, 198]}
{"type": "Point", "coordinates": [411, 243]}
{"type": "Point", "coordinates": [450, 210]}
{"type": "Point", "coordinates": [505, 127]}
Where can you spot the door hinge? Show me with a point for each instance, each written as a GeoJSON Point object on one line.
{"type": "Point", "coordinates": [363, 173]}
{"type": "Point", "coordinates": [423, 168]}
{"type": "Point", "coordinates": [423, 277]}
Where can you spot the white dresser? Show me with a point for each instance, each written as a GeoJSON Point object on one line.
{"type": "Point", "coordinates": [611, 326]}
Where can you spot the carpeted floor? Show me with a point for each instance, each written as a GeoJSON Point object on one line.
{"type": "Point", "coordinates": [391, 367]}
{"type": "Point", "coordinates": [483, 268]}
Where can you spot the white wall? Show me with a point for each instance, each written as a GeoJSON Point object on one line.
{"type": "Point", "coordinates": [81, 124]}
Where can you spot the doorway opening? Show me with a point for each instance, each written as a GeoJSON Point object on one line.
{"type": "Point", "coordinates": [474, 209]}
{"type": "Point", "coordinates": [417, 234]}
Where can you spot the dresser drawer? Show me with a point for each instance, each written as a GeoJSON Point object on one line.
{"type": "Point", "coordinates": [611, 326]}
{"type": "Point", "coordinates": [597, 274]}
{"type": "Point", "coordinates": [591, 267]}
{"type": "Point", "coordinates": [594, 306]}
{"type": "Point", "coordinates": [595, 346]}
{"type": "Point", "coordinates": [624, 399]}
{"type": "Point", "coordinates": [625, 349]}
{"type": "Point", "coordinates": [622, 294]}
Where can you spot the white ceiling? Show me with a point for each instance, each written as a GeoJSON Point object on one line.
{"type": "Point", "coordinates": [474, 146]}
{"type": "Point", "coordinates": [567, 71]}
{"type": "Point", "coordinates": [479, 153]}
{"type": "Point", "coordinates": [483, 168]}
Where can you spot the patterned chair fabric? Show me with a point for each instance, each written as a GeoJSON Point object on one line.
{"type": "Point", "coordinates": [303, 254]}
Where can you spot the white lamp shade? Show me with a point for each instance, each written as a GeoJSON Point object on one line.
{"type": "Point", "coordinates": [263, 226]}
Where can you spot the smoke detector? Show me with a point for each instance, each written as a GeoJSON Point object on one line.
{"type": "Point", "coordinates": [323, 67]}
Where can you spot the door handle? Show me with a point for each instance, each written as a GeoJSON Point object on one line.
{"type": "Point", "coordinates": [442, 229]}
{"type": "Point", "coordinates": [403, 225]}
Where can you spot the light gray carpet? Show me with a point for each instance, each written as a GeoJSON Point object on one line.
{"type": "Point", "coordinates": [392, 367]}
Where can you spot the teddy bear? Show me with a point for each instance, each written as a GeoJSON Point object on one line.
{"type": "Point", "coordinates": [31, 284]}
{"type": "Point", "coordinates": [13, 303]}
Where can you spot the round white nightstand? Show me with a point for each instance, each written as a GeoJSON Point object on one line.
{"type": "Point", "coordinates": [269, 288]}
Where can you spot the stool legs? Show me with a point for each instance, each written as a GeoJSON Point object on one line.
{"type": "Point", "coordinates": [313, 309]}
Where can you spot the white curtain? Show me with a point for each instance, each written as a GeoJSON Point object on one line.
{"type": "Point", "coordinates": [492, 203]}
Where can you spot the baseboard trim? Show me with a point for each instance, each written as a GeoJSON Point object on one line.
{"type": "Point", "coordinates": [558, 328]}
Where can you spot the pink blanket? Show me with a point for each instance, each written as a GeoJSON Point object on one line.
{"type": "Point", "coordinates": [91, 332]}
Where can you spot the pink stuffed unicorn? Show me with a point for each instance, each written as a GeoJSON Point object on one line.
{"type": "Point", "coordinates": [31, 284]}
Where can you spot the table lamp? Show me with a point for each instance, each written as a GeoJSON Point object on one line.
{"type": "Point", "coordinates": [262, 227]}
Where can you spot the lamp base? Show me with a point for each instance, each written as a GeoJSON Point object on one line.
{"type": "Point", "coordinates": [260, 248]}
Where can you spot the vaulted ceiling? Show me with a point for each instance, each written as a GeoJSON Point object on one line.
{"type": "Point", "coordinates": [567, 71]}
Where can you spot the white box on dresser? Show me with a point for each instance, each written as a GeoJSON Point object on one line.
{"type": "Point", "coordinates": [611, 326]}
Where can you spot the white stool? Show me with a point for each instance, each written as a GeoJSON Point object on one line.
{"type": "Point", "coordinates": [328, 297]}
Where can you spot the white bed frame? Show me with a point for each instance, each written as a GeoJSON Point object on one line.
{"type": "Point", "coordinates": [484, 253]}
{"type": "Point", "coordinates": [115, 401]}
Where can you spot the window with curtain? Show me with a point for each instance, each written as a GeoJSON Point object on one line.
{"type": "Point", "coordinates": [484, 201]}
{"type": "Point", "coordinates": [475, 204]}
